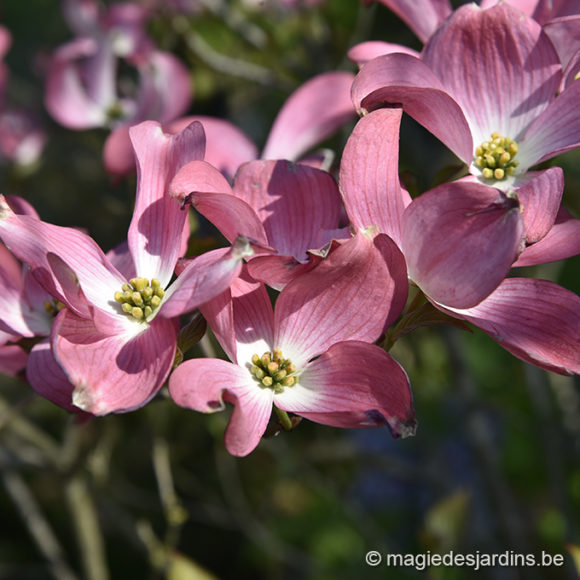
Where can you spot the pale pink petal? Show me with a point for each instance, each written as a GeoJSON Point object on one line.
{"type": "Point", "coordinates": [353, 384]}
{"type": "Point", "coordinates": [423, 17]}
{"type": "Point", "coordinates": [555, 131]}
{"type": "Point", "coordinates": [198, 176]}
{"type": "Point", "coordinates": [369, 174]}
{"type": "Point", "coordinates": [404, 81]}
{"type": "Point", "coordinates": [540, 196]}
{"type": "Point", "coordinates": [32, 240]}
{"type": "Point", "coordinates": [348, 296]}
{"type": "Point", "coordinates": [166, 88]}
{"type": "Point", "coordinates": [66, 98]}
{"type": "Point", "coordinates": [512, 85]}
{"type": "Point", "coordinates": [158, 225]}
{"type": "Point", "coordinates": [47, 378]}
{"type": "Point", "coordinates": [536, 320]}
{"type": "Point", "coordinates": [459, 241]}
{"type": "Point", "coordinates": [561, 242]}
{"type": "Point", "coordinates": [227, 147]}
{"type": "Point", "coordinates": [361, 53]}
{"type": "Point", "coordinates": [204, 278]}
{"type": "Point", "coordinates": [118, 154]}
{"type": "Point", "coordinates": [113, 373]}
{"type": "Point", "coordinates": [242, 319]}
{"type": "Point", "coordinates": [204, 385]}
{"type": "Point", "coordinates": [293, 202]}
{"type": "Point", "coordinates": [312, 113]}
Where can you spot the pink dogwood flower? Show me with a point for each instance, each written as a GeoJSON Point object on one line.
{"type": "Point", "coordinates": [312, 354]}
{"type": "Point", "coordinates": [460, 241]}
{"type": "Point", "coordinates": [500, 114]}
{"type": "Point", "coordinates": [116, 338]}
{"type": "Point", "coordinates": [82, 89]}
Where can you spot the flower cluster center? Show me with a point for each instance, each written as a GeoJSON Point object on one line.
{"type": "Point", "coordinates": [273, 371]}
{"type": "Point", "coordinates": [495, 157]}
{"type": "Point", "coordinates": [139, 298]}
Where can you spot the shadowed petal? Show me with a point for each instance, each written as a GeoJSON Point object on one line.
{"type": "Point", "coordinates": [204, 385]}
{"type": "Point", "coordinates": [404, 81]}
{"type": "Point", "coordinates": [536, 320]}
{"type": "Point", "coordinates": [460, 240]}
{"type": "Point", "coordinates": [369, 174]}
{"type": "Point", "coordinates": [113, 373]}
{"type": "Point", "coordinates": [353, 384]}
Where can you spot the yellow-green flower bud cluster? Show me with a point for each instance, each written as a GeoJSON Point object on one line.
{"type": "Point", "coordinates": [495, 157]}
{"type": "Point", "coordinates": [139, 298]}
{"type": "Point", "coordinates": [273, 371]}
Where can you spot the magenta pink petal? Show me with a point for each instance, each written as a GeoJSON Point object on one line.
{"type": "Point", "coordinates": [561, 242]}
{"type": "Point", "coordinates": [113, 373]}
{"type": "Point", "coordinates": [47, 378]}
{"type": "Point", "coordinates": [158, 225]}
{"type": "Point", "coordinates": [536, 320]}
{"type": "Point", "coordinates": [204, 278]}
{"type": "Point", "coordinates": [12, 359]}
{"type": "Point", "coordinates": [227, 146]}
{"type": "Point", "coordinates": [369, 174]}
{"type": "Point", "coordinates": [204, 385]}
{"type": "Point", "coordinates": [277, 271]}
{"type": "Point", "coordinates": [540, 196]}
{"type": "Point", "coordinates": [556, 130]}
{"type": "Point", "coordinates": [404, 81]}
{"type": "Point", "coordinates": [353, 384]}
{"type": "Point", "coordinates": [20, 206]}
{"type": "Point", "coordinates": [348, 296]}
{"type": "Point", "coordinates": [198, 176]}
{"type": "Point", "coordinates": [363, 52]}
{"type": "Point", "coordinates": [460, 240]}
{"type": "Point", "coordinates": [311, 114]}
{"type": "Point", "coordinates": [565, 35]}
{"type": "Point", "coordinates": [423, 17]}
{"type": "Point", "coordinates": [509, 88]}
{"type": "Point", "coordinates": [293, 202]}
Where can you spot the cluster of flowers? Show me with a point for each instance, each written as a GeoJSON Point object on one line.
{"type": "Point", "coordinates": [313, 289]}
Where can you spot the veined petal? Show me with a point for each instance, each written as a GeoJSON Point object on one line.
{"type": "Point", "coordinates": [204, 278]}
{"type": "Point", "coordinates": [555, 131]}
{"type": "Point", "coordinates": [540, 196]}
{"type": "Point", "coordinates": [294, 203]}
{"type": "Point", "coordinates": [404, 81]}
{"type": "Point", "coordinates": [353, 384]}
{"type": "Point", "coordinates": [369, 174]}
{"type": "Point", "coordinates": [460, 240]}
{"type": "Point", "coordinates": [348, 296]}
{"type": "Point", "coordinates": [277, 271]}
{"type": "Point", "coordinates": [204, 385]}
{"type": "Point", "coordinates": [47, 378]}
{"type": "Point", "coordinates": [210, 193]}
{"type": "Point", "coordinates": [536, 320]}
{"type": "Point", "coordinates": [562, 241]}
{"type": "Point", "coordinates": [242, 319]}
{"type": "Point", "coordinates": [227, 147]}
{"type": "Point", "coordinates": [156, 230]}
{"type": "Point", "coordinates": [116, 372]}
{"type": "Point", "coordinates": [512, 85]}
{"type": "Point", "coordinates": [423, 17]}
{"type": "Point", "coordinates": [32, 240]}
{"type": "Point", "coordinates": [363, 52]}
{"type": "Point", "coordinates": [564, 33]}
{"type": "Point", "coordinates": [311, 114]}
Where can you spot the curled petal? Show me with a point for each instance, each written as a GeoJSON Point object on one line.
{"type": "Point", "coordinates": [353, 384]}
{"type": "Point", "coordinates": [536, 320]}
{"type": "Point", "coordinates": [204, 385]}
{"type": "Point", "coordinates": [460, 240]}
{"type": "Point", "coordinates": [365, 51]}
